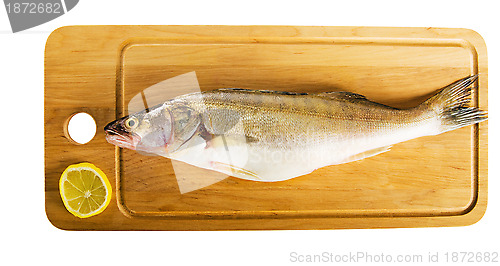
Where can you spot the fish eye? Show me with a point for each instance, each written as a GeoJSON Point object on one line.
{"type": "Point", "coordinates": [131, 123]}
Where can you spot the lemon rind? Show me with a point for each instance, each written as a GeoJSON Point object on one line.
{"type": "Point", "coordinates": [99, 173]}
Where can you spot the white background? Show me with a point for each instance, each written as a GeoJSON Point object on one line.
{"type": "Point", "coordinates": [28, 237]}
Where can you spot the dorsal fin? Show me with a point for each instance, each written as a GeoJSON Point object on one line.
{"type": "Point", "coordinates": [343, 94]}
{"type": "Point", "coordinates": [333, 94]}
{"type": "Point", "coordinates": [351, 97]}
{"type": "Point", "coordinates": [264, 91]}
{"type": "Point", "coordinates": [339, 95]}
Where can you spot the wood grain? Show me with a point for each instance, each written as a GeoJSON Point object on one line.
{"type": "Point", "coordinates": [429, 181]}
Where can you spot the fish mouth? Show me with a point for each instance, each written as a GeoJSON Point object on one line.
{"type": "Point", "coordinates": [121, 141]}
{"type": "Point", "coordinates": [121, 138]}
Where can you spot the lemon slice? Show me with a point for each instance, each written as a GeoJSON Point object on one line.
{"type": "Point", "coordinates": [85, 190]}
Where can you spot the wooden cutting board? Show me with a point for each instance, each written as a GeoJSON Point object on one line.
{"type": "Point", "coordinates": [430, 181]}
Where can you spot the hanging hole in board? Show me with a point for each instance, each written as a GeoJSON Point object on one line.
{"type": "Point", "coordinates": [80, 128]}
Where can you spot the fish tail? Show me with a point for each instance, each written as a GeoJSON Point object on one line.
{"type": "Point", "coordinates": [452, 105]}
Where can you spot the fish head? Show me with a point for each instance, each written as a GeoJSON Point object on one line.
{"type": "Point", "coordinates": [148, 131]}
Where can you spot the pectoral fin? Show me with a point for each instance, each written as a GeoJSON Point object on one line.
{"type": "Point", "coordinates": [366, 154]}
{"type": "Point", "coordinates": [235, 171]}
